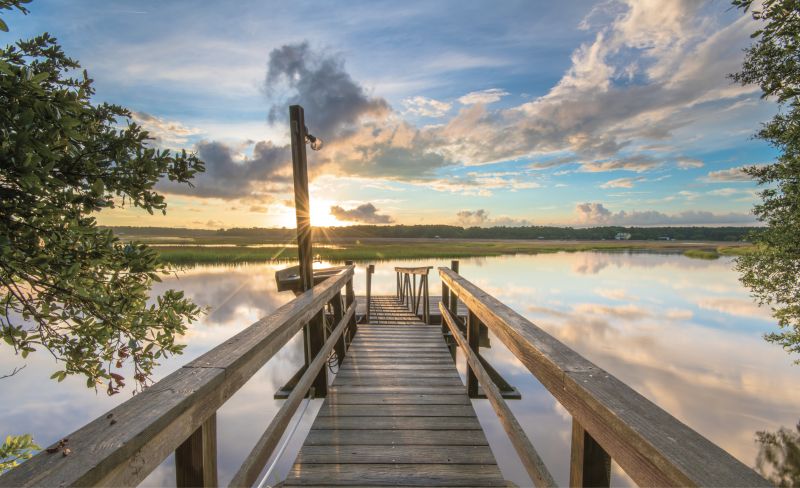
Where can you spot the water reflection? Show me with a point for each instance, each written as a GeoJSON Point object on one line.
{"type": "Point", "coordinates": [779, 456]}
{"type": "Point", "coordinates": [682, 332]}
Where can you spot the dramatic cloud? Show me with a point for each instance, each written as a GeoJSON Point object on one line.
{"type": "Point", "coordinates": [427, 107]}
{"type": "Point", "coordinates": [598, 214]}
{"type": "Point", "coordinates": [729, 175]}
{"type": "Point", "coordinates": [483, 96]}
{"type": "Point", "coordinates": [166, 133]}
{"type": "Point", "coordinates": [366, 213]}
{"type": "Point", "coordinates": [334, 102]}
{"type": "Point", "coordinates": [633, 83]}
{"type": "Point", "coordinates": [480, 218]}
{"type": "Point", "coordinates": [230, 176]}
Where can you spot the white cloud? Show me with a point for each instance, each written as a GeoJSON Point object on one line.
{"type": "Point", "coordinates": [729, 175]}
{"type": "Point", "coordinates": [487, 96]}
{"type": "Point", "coordinates": [598, 214]}
{"type": "Point", "coordinates": [167, 133]}
{"type": "Point", "coordinates": [426, 107]}
{"type": "Point", "coordinates": [688, 163]}
{"type": "Point", "coordinates": [621, 183]}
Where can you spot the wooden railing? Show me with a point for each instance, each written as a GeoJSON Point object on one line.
{"type": "Point", "coordinates": [409, 294]}
{"type": "Point", "coordinates": [609, 419]}
{"type": "Point", "coordinates": [178, 413]}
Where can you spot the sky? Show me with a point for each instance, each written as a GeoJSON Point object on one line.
{"type": "Point", "coordinates": [616, 112]}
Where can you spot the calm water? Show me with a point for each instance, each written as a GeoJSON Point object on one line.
{"type": "Point", "coordinates": [682, 332]}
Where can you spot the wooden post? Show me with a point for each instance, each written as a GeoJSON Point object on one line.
{"type": "Point", "coordinates": [398, 283]}
{"type": "Point", "coordinates": [370, 270]}
{"type": "Point", "coordinates": [590, 464]}
{"type": "Point", "coordinates": [453, 301]}
{"type": "Point", "coordinates": [426, 303]}
{"type": "Point", "coordinates": [314, 331]}
{"type": "Point", "coordinates": [196, 458]}
{"type": "Point", "coordinates": [473, 340]}
{"type": "Point", "coordinates": [338, 313]}
{"type": "Point", "coordinates": [350, 297]}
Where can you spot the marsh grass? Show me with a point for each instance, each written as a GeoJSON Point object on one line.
{"type": "Point", "coordinates": [207, 253]}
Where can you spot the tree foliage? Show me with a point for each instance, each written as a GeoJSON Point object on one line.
{"type": "Point", "coordinates": [67, 285]}
{"type": "Point", "coordinates": [15, 449]}
{"type": "Point", "coordinates": [773, 63]}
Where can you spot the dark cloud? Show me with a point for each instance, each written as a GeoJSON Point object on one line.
{"type": "Point", "coordinates": [470, 218]}
{"type": "Point", "coordinates": [254, 177]}
{"type": "Point", "coordinates": [332, 100]}
{"type": "Point", "coordinates": [366, 213]}
{"type": "Point", "coordinates": [481, 218]}
{"type": "Point", "coordinates": [598, 214]}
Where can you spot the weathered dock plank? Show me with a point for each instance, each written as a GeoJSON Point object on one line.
{"type": "Point", "coordinates": [397, 413]}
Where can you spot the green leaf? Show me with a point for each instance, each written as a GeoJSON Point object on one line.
{"type": "Point", "coordinates": [3, 26]}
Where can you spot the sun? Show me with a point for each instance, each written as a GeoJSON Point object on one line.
{"type": "Point", "coordinates": [321, 214]}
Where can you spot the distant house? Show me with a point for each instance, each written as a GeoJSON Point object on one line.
{"type": "Point", "coordinates": [622, 236]}
{"type": "Point", "coordinates": [665, 238]}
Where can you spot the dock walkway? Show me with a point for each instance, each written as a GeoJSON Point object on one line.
{"type": "Point", "coordinates": [397, 413]}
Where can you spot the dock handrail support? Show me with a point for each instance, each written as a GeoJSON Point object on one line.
{"type": "Point", "coordinates": [178, 413]}
{"type": "Point", "coordinates": [370, 271]}
{"type": "Point", "coordinates": [412, 296]}
{"type": "Point", "coordinates": [609, 419]}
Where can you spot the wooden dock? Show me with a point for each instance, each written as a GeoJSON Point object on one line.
{"type": "Point", "coordinates": [397, 413]}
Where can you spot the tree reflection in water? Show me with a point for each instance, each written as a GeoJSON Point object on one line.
{"type": "Point", "coordinates": [779, 456]}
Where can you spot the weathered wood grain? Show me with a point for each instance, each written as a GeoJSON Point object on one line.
{"type": "Point", "coordinates": [651, 446]}
{"type": "Point", "coordinates": [396, 455]}
{"type": "Point", "coordinates": [394, 475]}
{"type": "Point", "coordinates": [151, 425]}
{"type": "Point", "coordinates": [530, 458]}
{"type": "Point", "coordinates": [397, 423]}
{"type": "Point", "coordinates": [389, 410]}
{"type": "Point", "coordinates": [384, 437]}
{"type": "Point", "coordinates": [397, 400]}
{"type": "Point", "coordinates": [254, 462]}
{"type": "Point", "coordinates": [415, 389]}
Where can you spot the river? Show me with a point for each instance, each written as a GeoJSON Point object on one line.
{"type": "Point", "coordinates": [682, 332]}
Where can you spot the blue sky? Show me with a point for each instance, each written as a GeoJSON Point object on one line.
{"type": "Point", "coordinates": [471, 113]}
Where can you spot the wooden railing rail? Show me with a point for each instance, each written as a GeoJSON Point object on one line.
{"type": "Point", "coordinates": [409, 294]}
{"type": "Point", "coordinates": [254, 463]}
{"type": "Point", "coordinates": [177, 414]}
{"type": "Point", "coordinates": [609, 418]}
{"type": "Point", "coordinates": [527, 453]}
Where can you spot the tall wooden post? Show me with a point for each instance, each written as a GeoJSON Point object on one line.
{"type": "Point", "coordinates": [314, 331]}
{"type": "Point", "coordinates": [473, 341]}
{"type": "Point", "coordinates": [370, 270]}
{"type": "Point", "coordinates": [453, 300]}
{"type": "Point", "coordinates": [350, 297]}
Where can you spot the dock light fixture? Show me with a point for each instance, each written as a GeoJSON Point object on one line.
{"type": "Point", "coordinates": [314, 142]}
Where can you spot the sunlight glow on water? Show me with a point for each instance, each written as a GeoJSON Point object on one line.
{"type": "Point", "coordinates": [681, 332]}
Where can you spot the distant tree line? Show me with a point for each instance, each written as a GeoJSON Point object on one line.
{"type": "Point", "coordinates": [730, 234]}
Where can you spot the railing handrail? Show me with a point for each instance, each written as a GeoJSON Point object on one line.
{"type": "Point", "coordinates": [122, 446]}
{"type": "Point", "coordinates": [650, 445]}
{"type": "Point", "coordinates": [407, 291]}
{"type": "Point", "coordinates": [418, 270]}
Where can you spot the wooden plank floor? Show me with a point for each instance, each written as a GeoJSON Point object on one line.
{"type": "Point", "coordinates": [397, 414]}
